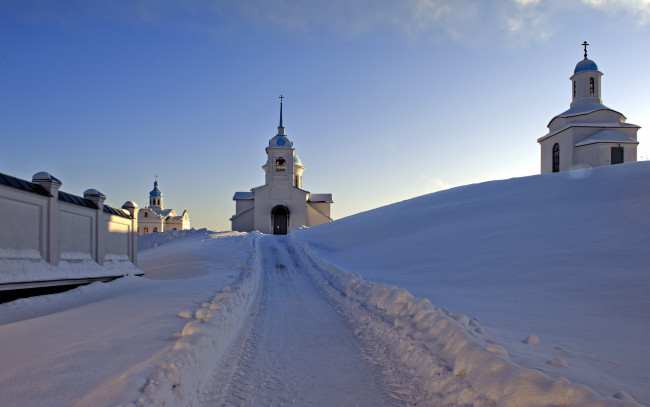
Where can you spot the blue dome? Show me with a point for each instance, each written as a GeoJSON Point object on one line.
{"type": "Point", "coordinates": [155, 191]}
{"type": "Point", "coordinates": [585, 65]}
{"type": "Point", "coordinates": [296, 159]}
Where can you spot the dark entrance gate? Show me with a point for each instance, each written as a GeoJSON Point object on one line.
{"type": "Point", "coordinates": [280, 215]}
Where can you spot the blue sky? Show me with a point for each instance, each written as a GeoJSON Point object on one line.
{"type": "Point", "coordinates": [384, 100]}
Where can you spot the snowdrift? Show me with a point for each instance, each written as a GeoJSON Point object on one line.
{"type": "Point", "coordinates": [426, 333]}
{"type": "Point", "coordinates": [558, 261]}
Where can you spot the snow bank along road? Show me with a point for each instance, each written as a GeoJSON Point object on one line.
{"type": "Point", "coordinates": [303, 332]}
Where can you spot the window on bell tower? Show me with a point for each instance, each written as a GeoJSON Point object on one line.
{"type": "Point", "coordinates": [280, 164]}
{"type": "Point", "coordinates": [574, 88]}
{"type": "Point", "coordinates": [591, 85]}
{"type": "Point", "coordinates": [556, 157]}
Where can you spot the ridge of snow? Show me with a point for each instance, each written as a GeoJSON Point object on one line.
{"type": "Point", "coordinates": [72, 265]}
{"type": "Point", "coordinates": [156, 239]}
{"type": "Point", "coordinates": [205, 338]}
{"type": "Point", "coordinates": [441, 333]}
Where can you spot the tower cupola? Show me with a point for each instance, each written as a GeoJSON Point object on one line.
{"type": "Point", "coordinates": [155, 196]}
{"type": "Point", "coordinates": [586, 81]}
{"type": "Point", "coordinates": [282, 165]}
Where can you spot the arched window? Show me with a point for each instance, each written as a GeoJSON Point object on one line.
{"type": "Point", "coordinates": [146, 231]}
{"type": "Point", "coordinates": [146, 214]}
{"type": "Point", "coordinates": [556, 157]}
{"type": "Point", "coordinates": [280, 164]}
{"type": "Point", "coordinates": [591, 85]}
{"type": "Point", "coordinates": [574, 88]}
{"type": "Point", "coordinates": [155, 229]}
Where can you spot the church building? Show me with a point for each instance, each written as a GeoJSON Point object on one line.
{"type": "Point", "coordinates": [155, 218]}
{"type": "Point", "coordinates": [281, 204]}
{"type": "Point", "coordinates": [589, 134]}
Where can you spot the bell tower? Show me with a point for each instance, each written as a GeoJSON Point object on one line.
{"type": "Point", "coordinates": [155, 196]}
{"type": "Point", "coordinates": [586, 81]}
{"type": "Point", "coordinates": [280, 167]}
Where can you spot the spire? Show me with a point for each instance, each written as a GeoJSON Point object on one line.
{"type": "Point", "coordinates": [281, 126]}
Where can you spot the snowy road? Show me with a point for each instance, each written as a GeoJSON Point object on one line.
{"type": "Point", "coordinates": [296, 349]}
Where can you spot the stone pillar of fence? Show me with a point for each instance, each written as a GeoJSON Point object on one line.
{"type": "Point", "coordinates": [132, 208]}
{"type": "Point", "coordinates": [51, 251]}
{"type": "Point", "coordinates": [101, 228]}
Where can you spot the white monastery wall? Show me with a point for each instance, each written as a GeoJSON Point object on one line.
{"type": "Point", "coordinates": [76, 232]}
{"type": "Point", "coordinates": [45, 238]}
{"type": "Point", "coordinates": [121, 243]}
{"type": "Point", "coordinates": [22, 223]}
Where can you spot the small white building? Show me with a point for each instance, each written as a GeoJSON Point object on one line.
{"type": "Point", "coordinates": [281, 204]}
{"type": "Point", "coordinates": [589, 134]}
{"type": "Point", "coordinates": [155, 218]}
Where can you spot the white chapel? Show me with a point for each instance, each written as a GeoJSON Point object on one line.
{"type": "Point", "coordinates": [589, 134]}
{"type": "Point", "coordinates": [156, 218]}
{"type": "Point", "coordinates": [281, 204]}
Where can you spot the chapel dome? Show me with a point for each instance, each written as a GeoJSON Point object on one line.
{"type": "Point", "coordinates": [155, 191]}
{"type": "Point", "coordinates": [585, 65]}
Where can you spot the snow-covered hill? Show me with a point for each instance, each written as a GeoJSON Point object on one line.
{"type": "Point", "coordinates": [564, 257]}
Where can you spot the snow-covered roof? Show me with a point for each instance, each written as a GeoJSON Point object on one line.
{"type": "Point", "coordinates": [583, 108]}
{"type": "Point", "coordinates": [243, 195]}
{"type": "Point", "coordinates": [161, 212]}
{"type": "Point", "coordinates": [611, 125]}
{"type": "Point", "coordinates": [93, 192]}
{"type": "Point", "coordinates": [45, 176]}
{"type": "Point", "coordinates": [606, 136]}
{"type": "Point", "coordinates": [241, 213]}
{"type": "Point", "coordinates": [320, 198]}
{"type": "Point", "coordinates": [585, 65]}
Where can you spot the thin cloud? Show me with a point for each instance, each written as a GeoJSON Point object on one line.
{"type": "Point", "coordinates": [639, 10]}
{"type": "Point", "coordinates": [467, 22]}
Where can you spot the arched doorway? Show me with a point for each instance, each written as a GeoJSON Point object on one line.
{"type": "Point", "coordinates": [280, 219]}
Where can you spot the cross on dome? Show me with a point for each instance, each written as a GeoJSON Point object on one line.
{"type": "Point", "coordinates": [584, 44]}
{"type": "Point", "coordinates": [281, 125]}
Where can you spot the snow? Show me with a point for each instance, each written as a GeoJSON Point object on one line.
{"type": "Point", "coordinates": [525, 292]}
{"type": "Point", "coordinates": [100, 344]}
{"type": "Point", "coordinates": [561, 256]}
{"type": "Point", "coordinates": [18, 263]}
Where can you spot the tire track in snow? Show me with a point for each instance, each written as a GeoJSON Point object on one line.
{"type": "Point", "coordinates": [296, 350]}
